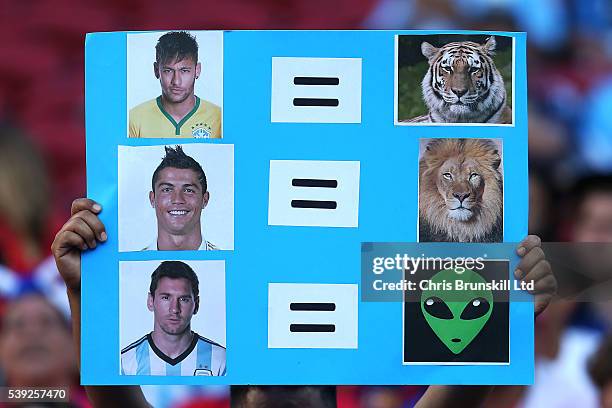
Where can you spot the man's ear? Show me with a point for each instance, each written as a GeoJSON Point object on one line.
{"type": "Point", "coordinates": [197, 305]}
{"type": "Point", "coordinates": [150, 302]}
{"type": "Point", "coordinates": [156, 70]}
{"type": "Point", "coordinates": [198, 70]}
{"type": "Point", "coordinates": [152, 198]}
{"type": "Point", "coordinates": [205, 198]}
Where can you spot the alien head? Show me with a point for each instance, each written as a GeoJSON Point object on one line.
{"type": "Point", "coordinates": [456, 316]}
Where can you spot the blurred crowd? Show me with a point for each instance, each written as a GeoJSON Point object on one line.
{"type": "Point", "coordinates": [42, 168]}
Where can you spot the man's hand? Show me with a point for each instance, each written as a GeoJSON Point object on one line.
{"type": "Point", "coordinates": [81, 232]}
{"type": "Point", "coordinates": [534, 267]}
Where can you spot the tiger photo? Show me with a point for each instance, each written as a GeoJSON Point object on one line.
{"type": "Point", "coordinates": [460, 83]}
{"type": "Point", "coordinates": [460, 191]}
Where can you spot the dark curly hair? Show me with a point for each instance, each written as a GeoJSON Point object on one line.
{"type": "Point", "coordinates": [179, 160]}
{"type": "Point", "coordinates": [176, 46]}
{"type": "Point", "coordinates": [175, 270]}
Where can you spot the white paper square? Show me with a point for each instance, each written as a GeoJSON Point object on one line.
{"type": "Point", "coordinates": [344, 317]}
{"type": "Point", "coordinates": [348, 90]}
{"type": "Point", "coordinates": [282, 193]}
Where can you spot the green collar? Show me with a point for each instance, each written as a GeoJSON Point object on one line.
{"type": "Point", "coordinates": [177, 126]}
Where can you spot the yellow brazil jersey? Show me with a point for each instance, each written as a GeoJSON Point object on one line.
{"type": "Point", "coordinates": [149, 119]}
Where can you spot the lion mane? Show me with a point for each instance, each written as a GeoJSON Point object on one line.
{"type": "Point", "coordinates": [460, 191]}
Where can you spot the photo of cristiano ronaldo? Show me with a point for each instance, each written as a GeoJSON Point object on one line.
{"type": "Point", "coordinates": [179, 193]}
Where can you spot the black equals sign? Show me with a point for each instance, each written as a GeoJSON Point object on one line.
{"type": "Point", "coordinates": [315, 101]}
{"type": "Point", "coordinates": [327, 205]}
{"type": "Point", "coordinates": [312, 328]}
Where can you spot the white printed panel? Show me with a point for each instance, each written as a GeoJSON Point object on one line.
{"type": "Point", "coordinates": [316, 90]}
{"type": "Point", "coordinates": [314, 193]}
{"type": "Point", "coordinates": [304, 315]}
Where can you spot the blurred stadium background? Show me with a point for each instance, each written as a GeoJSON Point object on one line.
{"type": "Point", "coordinates": [42, 166]}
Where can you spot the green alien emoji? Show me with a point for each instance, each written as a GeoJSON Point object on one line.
{"type": "Point", "coordinates": [456, 316]}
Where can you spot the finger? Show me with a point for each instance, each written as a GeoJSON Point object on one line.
{"type": "Point", "coordinates": [546, 285]}
{"type": "Point", "coordinates": [66, 240]}
{"type": "Point", "coordinates": [81, 204]}
{"type": "Point", "coordinates": [530, 242]}
{"type": "Point", "coordinates": [537, 272]}
{"type": "Point", "coordinates": [526, 264]}
{"type": "Point", "coordinates": [94, 223]}
{"type": "Point", "coordinates": [80, 227]}
{"type": "Point", "coordinates": [541, 302]}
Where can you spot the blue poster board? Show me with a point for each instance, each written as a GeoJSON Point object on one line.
{"type": "Point", "coordinates": [264, 138]}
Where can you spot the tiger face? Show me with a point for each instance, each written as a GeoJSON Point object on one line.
{"type": "Point", "coordinates": [462, 83]}
{"type": "Point", "coordinates": [459, 77]}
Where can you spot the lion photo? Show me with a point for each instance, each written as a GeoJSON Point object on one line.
{"type": "Point", "coordinates": [461, 190]}
{"type": "Point", "coordinates": [453, 78]}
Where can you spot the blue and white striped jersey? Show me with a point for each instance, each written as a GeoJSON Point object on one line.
{"type": "Point", "coordinates": [202, 357]}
